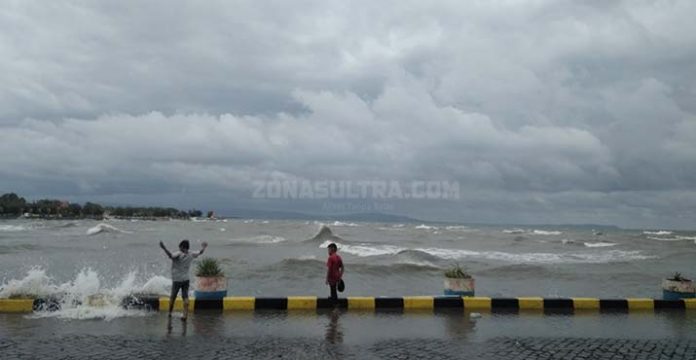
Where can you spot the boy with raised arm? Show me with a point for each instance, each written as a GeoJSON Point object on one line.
{"type": "Point", "coordinates": [181, 264]}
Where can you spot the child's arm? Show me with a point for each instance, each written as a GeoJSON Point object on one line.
{"type": "Point", "coordinates": [204, 246]}
{"type": "Point", "coordinates": [165, 250]}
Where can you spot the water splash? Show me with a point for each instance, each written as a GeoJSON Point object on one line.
{"type": "Point", "coordinates": [84, 297]}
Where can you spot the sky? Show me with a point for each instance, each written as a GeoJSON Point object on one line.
{"type": "Point", "coordinates": [540, 111]}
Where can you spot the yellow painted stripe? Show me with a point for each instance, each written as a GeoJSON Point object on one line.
{"type": "Point", "coordinates": [302, 302]}
{"type": "Point", "coordinates": [178, 304]}
{"type": "Point", "coordinates": [690, 303]}
{"type": "Point", "coordinates": [419, 302]}
{"type": "Point", "coordinates": [361, 303]}
{"type": "Point", "coordinates": [530, 303]}
{"type": "Point", "coordinates": [477, 302]}
{"type": "Point", "coordinates": [586, 303]}
{"type": "Point", "coordinates": [640, 304]}
{"type": "Point", "coordinates": [239, 303]}
{"type": "Point", "coordinates": [16, 305]}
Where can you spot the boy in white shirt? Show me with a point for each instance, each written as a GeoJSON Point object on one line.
{"type": "Point", "coordinates": [181, 264]}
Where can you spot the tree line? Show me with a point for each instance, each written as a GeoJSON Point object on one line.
{"type": "Point", "coordinates": [12, 205]}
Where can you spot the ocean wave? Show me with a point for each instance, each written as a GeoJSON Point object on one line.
{"type": "Point", "coordinates": [310, 266]}
{"type": "Point", "coordinates": [676, 238]}
{"type": "Point", "coordinates": [599, 244]}
{"type": "Point", "coordinates": [260, 239]}
{"type": "Point", "coordinates": [425, 227]}
{"type": "Point", "coordinates": [659, 232]}
{"type": "Point", "coordinates": [340, 223]}
{"type": "Point", "coordinates": [12, 228]}
{"type": "Point", "coordinates": [461, 254]}
{"type": "Point", "coordinates": [541, 258]}
{"type": "Point", "coordinates": [67, 225]}
{"type": "Point", "coordinates": [6, 249]}
{"type": "Point", "coordinates": [364, 250]}
{"type": "Point", "coordinates": [546, 232]}
{"type": "Point", "coordinates": [517, 270]}
{"type": "Point", "coordinates": [105, 228]}
{"type": "Point", "coordinates": [417, 256]}
{"type": "Point", "coordinates": [325, 233]}
{"type": "Point", "coordinates": [569, 242]}
{"type": "Point", "coordinates": [514, 231]}
{"type": "Point", "coordinates": [459, 228]}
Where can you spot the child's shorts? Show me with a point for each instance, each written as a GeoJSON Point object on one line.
{"type": "Point", "coordinates": [183, 285]}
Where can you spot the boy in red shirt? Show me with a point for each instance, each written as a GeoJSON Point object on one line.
{"type": "Point", "coordinates": [334, 270]}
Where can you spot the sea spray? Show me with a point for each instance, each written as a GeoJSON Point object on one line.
{"type": "Point", "coordinates": [84, 297]}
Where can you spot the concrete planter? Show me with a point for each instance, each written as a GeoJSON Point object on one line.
{"type": "Point", "coordinates": [675, 290]}
{"type": "Point", "coordinates": [459, 286]}
{"type": "Point", "coordinates": [210, 288]}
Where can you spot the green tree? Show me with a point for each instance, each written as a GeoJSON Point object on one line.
{"type": "Point", "coordinates": [92, 209]}
{"type": "Point", "coordinates": [11, 204]}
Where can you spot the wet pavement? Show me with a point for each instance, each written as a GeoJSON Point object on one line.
{"type": "Point", "coordinates": [353, 335]}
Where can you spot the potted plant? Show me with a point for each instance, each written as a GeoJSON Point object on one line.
{"type": "Point", "coordinates": [211, 283]}
{"type": "Point", "coordinates": [677, 287]}
{"type": "Point", "coordinates": [458, 282]}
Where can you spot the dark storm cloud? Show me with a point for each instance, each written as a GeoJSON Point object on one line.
{"type": "Point", "coordinates": [543, 111]}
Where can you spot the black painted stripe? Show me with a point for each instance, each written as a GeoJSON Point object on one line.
{"type": "Point", "coordinates": [669, 304]}
{"type": "Point", "coordinates": [46, 304]}
{"type": "Point", "coordinates": [505, 303]}
{"type": "Point", "coordinates": [558, 304]}
{"type": "Point", "coordinates": [208, 304]}
{"type": "Point", "coordinates": [389, 303]}
{"type": "Point", "coordinates": [151, 303]}
{"type": "Point", "coordinates": [441, 302]}
{"type": "Point", "coordinates": [271, 303]}
{"type": "Point", "coordinates": [324, 303]}
{"type": "Point", "coordinates": [613, 304]}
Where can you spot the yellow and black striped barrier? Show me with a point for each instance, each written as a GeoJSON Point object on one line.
{"type": "Point", "coordinates": [503, 305]}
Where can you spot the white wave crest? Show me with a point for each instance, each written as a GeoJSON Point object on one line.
{"type": "Point", "coordinates": [459, 228]}
{"type": "Point", "coordinates": [546, 232]}
{"type": "Point", "coordinates": [514, 231]}
{"type": "Point", "coordinates": [105, 228]}
{"type": "Point", "coordinates": [599, 244]}
{"type": "Point", "coordinates": [540, 258]}
{"type": "Point", "coordinates": [461, 254]}
{"type": "Point", "coordinates": [12, 228]}
{"type": "Point", "coordinates": [340, 223]}
{"type": "Point", "coordinates": [425, 227]}
{"type": "Point", "coordinates": [260, 239]}
{"type": "Point", "coordinates": [659, 232]}
{"type": "Point", "coordinates": [365, 250]}
{"type": "Point", "coordinates": [677, 238]}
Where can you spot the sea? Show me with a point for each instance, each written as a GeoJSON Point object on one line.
{"type": "Point", "coordinates": [83, 260]}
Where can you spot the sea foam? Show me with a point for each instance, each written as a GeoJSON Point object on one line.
{"type": "Point", "coordinates": [84, 297]}
{"type": "Point", "coordinates": [12, 228]}
{"type": "Point", "coordinates": [364, 250]}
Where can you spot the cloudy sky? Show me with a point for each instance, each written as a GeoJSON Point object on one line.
{"type": "Point", "coordinates": [543, 111]}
